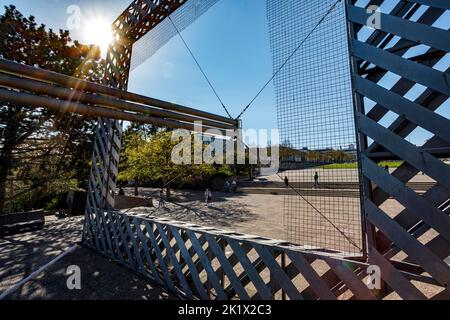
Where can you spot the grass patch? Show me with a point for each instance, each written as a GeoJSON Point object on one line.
{"type": "Point", "coordinates": [354, 165]}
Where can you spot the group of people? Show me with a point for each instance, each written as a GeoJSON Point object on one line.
{"type": "Point", "coordinates": [315, 185]}
{"type": "Point", "coordinates": [230, 186]}
{"type": "Point", "coordinates": [207, 194]}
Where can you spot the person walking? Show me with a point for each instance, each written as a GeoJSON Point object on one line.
{"type": "Point", "coordinates": [162, 202]}
{"type": "Point", "coordinates": [234, 185]}
{"type": "Point", "coordinates": [208, 197]}
{"type": "Point", "coordinates": [286, 182]}
{"type": "Point", "coordinates": [316, 180]}
{"type": "Point", "coordinates": [227, 186]}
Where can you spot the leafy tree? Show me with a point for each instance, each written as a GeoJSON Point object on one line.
{"type": "Point", "coordinates": [39, 146]}
{"type": "Point", "coordinates": [337, 156]}
{"type": "Point", "coordinates": [313, 156]}
{"type": "Point", "coordinates": [149, 159]}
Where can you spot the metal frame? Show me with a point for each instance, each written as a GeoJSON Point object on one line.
{"type": "Point", "coordinates": [205, 263]}
{"type": "Point", "coordinates": [36, 87]}
{"type": "Point", "coordinates": [138, 19]}
{"type": "Point", "coordinates": [370, 61]}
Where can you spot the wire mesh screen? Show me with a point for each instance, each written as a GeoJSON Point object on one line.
{"type": "Point", "coordinates": [164, 31]}
{"type": "Point", "coordinates": [316, 122]}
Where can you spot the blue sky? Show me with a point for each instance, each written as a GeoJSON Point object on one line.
{"type": "Point", "coordinates": [232, 43]}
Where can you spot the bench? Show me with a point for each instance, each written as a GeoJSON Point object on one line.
{"type": "Point", "coordinates": [21, 222]}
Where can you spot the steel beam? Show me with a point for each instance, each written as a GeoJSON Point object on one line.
{"type": "Point", "coordinates": [62, 106]}
{"type": "Point", "coordinates": [74, 97]}
{"type": "Point", "coordinates": [32, 73]}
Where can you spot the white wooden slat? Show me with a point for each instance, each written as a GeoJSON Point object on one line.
{"type": "Point", "coordinates": [413, 71]}
{"type": "Point", "coordinates": [256, 279]}
{"type": "Point", "coordinates": [174, 260]}
{"type": "Point", "coordinates": [417, 32]}
{"type": "Point", "coordinates": [416, 250]}
{"type": "Point", "coordinates": [201, 291]}
{"type": "Point", "coordinates": [394, 278]}
{"type": "Point", "coordinates": [416, 204]}
{"type": "Point", "coordinates": [359, 289]}
{"type": "Point", "coordinates": [278, 274]}
{"type": "Point", "coordinates": [154, 271]}
{"type": "Point", "coordinates": [162, 264]}
{"type": "Point", "coordinates": [317, 284]}
{"type": "Point", "coordinates": [227, 267]}
{"type": "Point", "coordinates": [212, 276]}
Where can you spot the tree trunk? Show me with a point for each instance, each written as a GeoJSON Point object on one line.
{"type": "Point", "coordinates": [6, 153]}
{"type": "Point", "coordinates": [168, 192]}
{"type": "Point", "coordinates": [136, 187]}
{"type": "Point", "coordinates": [5, 160]}
{"type": "Point", "coordinates": [250, 174]}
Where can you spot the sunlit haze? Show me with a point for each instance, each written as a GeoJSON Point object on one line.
{"type": "Point", "coordinates": [97, 31]}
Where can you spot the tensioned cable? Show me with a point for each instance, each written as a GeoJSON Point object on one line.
{"type": "Point", "coordinates": [350, 240]}
{"type": "Point", "coordinates": [289, 58]}
{"type": "Point", "coordinates": [261, 91]}
{"type": "Point", "coordinates": [200, 68]}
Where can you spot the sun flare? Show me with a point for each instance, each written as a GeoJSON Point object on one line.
{"type": "Point", "coordinates": [98, 31]}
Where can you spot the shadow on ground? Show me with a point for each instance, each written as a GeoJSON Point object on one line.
{"type": "Point", "coordinates": [224, 211]}
{"type": "Point", "coordinates": [101, 279]}
{"type": "Point", "coordinates": [23, 254]}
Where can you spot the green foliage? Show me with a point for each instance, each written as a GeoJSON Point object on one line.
{"type": "Point", "coordinates": [41, 151]}
{"type": "Point", "coordinates": [148, 159]}
{"type": "Point", "coordinates": [52, 204]}
{"type": "Point", "coordinates": [331, 155]}
{"type": "Point", "coordinates": [354, 165]}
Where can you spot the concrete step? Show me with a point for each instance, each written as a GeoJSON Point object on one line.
{"type": "Point", "coordinates": [418, 186]}
{"type": "Point", "coordinates": [304, 192]}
